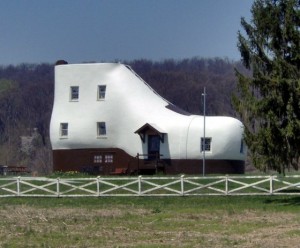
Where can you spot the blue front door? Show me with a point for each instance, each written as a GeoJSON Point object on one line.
{"type": "Point", "coordinates": [153, 147]}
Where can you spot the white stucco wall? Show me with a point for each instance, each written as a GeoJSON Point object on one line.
{"type": "Point", "coordinates": [129, 104]}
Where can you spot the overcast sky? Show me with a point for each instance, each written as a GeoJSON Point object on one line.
{"type": "Point", "coordinates": [35, 31]}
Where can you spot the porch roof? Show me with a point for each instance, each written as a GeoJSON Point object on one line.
{"type": "Point", "coordinates": [153, 128]}
{"type": "Point", "coordinates": [150, 127]}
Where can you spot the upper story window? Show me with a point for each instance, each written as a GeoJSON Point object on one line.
{"type": "Point", "coordinates": [74, 93]}
{"type": "Point", "coordinates": [206, 145]}
{"type": "Point", "coordinates": [101, 92]}
{"type": "Point", "coordinates": [101, 129]}
{"type": "Point", "coordinates": [64, 130]}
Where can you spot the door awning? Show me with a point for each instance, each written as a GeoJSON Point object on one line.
{"type": "Point", "coordinates": [152, 129]}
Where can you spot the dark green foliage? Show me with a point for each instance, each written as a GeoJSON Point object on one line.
{"type": "Point", "coordinates": [268, 101]}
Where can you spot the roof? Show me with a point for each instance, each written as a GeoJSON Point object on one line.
{"type": "Point", "coordinates": [153, 128]}
{"type": "Point", "coordinates": [150, 127]}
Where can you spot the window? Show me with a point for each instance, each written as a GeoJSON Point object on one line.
{"type": "Point", "coordinates": [74, 94]}
{"type": "Point", "coordinates": [101, 128]}
{"type": "Point", "coordinates": [63, 129]}
{"type": "Point", "coordinates": [109, 158]}
{"type": "Point", "coordinates": [242, 146]}
{"type": "Point", "coordinates": [207, 144]}
{"type": "Point", "coordinates": [97, 159]}
{"type": "Point", "coordinates": [101, 92]}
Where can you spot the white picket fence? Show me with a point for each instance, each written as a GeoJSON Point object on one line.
{"type": "Point", "coordinates": [149, 186]}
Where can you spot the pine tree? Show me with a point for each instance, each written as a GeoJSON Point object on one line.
{"type": "Point", "coordinates": [268, 101]}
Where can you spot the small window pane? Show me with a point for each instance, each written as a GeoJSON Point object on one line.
{"type": "Point", "coordinates": [98, 159]}
{"type": "Point", "coordinates": [109, 158]}
{"type": "Point", "coordinates": [63, 129]}
{"type": "Point", "coordinates": [206, 144]}
{"type": "Point", "coordinates": [101, 91]}
{"type": "Point", "coordinates": [74, 92]}
{"type": "Point", "coordinates": [101, 128]}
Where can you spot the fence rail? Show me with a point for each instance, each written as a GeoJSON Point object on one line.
{"type": "Point", "coordinates": [149, 186]}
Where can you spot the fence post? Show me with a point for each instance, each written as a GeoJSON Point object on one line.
{"type": "Point", "coordinates": [57, 187]}
{"type": "Point", "coordinates": [140, 184]}
{"type": "Point", "coordinates": [226, 185]}
{"type": "Point", "coordinates": [98, 185]}
{"type": "Point", "coordinates": [182, 184]}
{"type": "Point", "coordinates": [18, 186]}
{"type": "Point", "coordinates": [271, 184]}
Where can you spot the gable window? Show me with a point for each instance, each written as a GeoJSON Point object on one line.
{"type": "Point", "coordinates": [205, 144]}
{"type": "Point", "coordinates": [101, 92]}
{"type": "Point", "coordinates": [64, 130]}
{"type": "Point", "coordinates": [74, 93]}
{"type": "Point", "coordinates": [101, 129]}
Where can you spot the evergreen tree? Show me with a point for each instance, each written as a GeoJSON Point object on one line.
{"type": "Point", "coordinates": [269, 100]}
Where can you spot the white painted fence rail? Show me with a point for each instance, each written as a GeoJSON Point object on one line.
{"type": "Point", "coordinates": [149, 186]}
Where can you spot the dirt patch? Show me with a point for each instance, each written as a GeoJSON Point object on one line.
{"type": "Point", "coordinates": [134, 227]}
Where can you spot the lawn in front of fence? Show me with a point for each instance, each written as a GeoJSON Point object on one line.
{"type": "Point", "coordinates": [218, 221]}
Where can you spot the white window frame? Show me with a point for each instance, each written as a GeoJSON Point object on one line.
{"type": "Point", "coordinates": [74, 96]}
{"type": "Point", "coordinates": [100, 93]}
{"type": "Point", "coordinates": [98, 159]}
{"type": "Point", "coordinates": [64, 130]}
{"type": "Point", "coordinates": [207, 144]}
{"type": "Point", "coordinates": [108, 158]}
{"type": "Point", "coordinates": [100, 129]}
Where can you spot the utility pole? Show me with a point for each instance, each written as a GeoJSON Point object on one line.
{"type": "Point", "coordinates": [204, 141]}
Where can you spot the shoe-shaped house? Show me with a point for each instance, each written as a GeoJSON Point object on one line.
{"type": "Point", "coordinates": [107, 120]}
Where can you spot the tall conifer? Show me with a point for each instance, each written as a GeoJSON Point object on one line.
{"type": "Point", "coordinates": [269, 100]}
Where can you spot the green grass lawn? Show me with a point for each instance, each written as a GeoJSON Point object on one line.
{"type": "Point", "coordinates": [248, 221]}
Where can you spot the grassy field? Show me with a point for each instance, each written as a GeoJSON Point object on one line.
{"type": "Point", "coordinates": [265, 221]}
